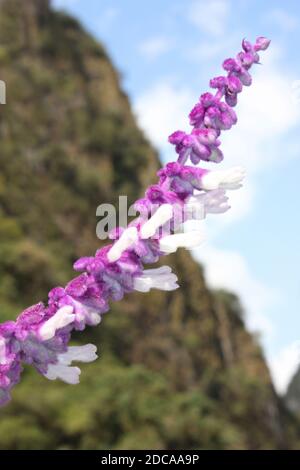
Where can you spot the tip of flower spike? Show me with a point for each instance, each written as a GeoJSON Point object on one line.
{"type": "Point", "coordinates": [262, 43]}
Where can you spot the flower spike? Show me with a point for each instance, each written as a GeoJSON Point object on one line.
{"type": "Point", "coordinates": [41, 334]}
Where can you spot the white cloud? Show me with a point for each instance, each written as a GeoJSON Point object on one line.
{"type": "Point", "coordinates": [284, 364]}
{"type": "Point", "coordinates": [283, 19]}
{"type": "Point", "coordinates": [210, 17]}
{"type": "Point", "coordinates": [208, 50]}
{"type": "Point", "coordinates": [154, 47]}
{"type": "Point", "coordinates": [163, 109]}
{"type": "Point", "coordinates": [228, 269]}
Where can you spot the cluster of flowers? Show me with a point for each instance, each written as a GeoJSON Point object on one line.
{"type": "Point", "coordinates": [40, 335]}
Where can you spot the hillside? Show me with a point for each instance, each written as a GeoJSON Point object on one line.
{"type": "Point", "coordinates": [292, 396]}
{"type": "Point", "coordinates": [176, 370]}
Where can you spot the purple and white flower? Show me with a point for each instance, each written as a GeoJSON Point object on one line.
{"type": "Point", "coordinates": [41, 334]}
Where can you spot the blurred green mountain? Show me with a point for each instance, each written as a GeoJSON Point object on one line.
{"type": "Point", "coordinates": [176, 370]}
{"type": "Point", "coordinates": [292, 395]}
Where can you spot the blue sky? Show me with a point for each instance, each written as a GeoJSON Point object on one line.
{"type": "Point", "coordinates": [166, 52]}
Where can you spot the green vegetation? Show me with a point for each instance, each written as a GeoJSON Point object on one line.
{"type": "Point", "coordinates": [176, 370]}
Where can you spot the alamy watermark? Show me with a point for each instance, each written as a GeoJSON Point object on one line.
{"type": "Point", "coordinates": [111, 217]}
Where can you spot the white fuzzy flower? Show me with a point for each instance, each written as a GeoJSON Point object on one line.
{"type": "Point", "coordinates": [163, 214]}
{"type": "Point", "coordinates": [2, 351]}
{"type": "Point", "coordinates": [86, 314]}
{"type": "Point", "coordinates": [86, 353]}
{"type": "Point", "coordinates": [63, 317]}
{"type": "Point", "coordinates": [223, 179]}
{"type": "Point", "coordinates": [160, 278]}
{"type": "Point", "coordinates": [62, 369]}
{"type": "Point", "coordinates": [127, 239]}
{"type": "Point", "coordinates": [94, 318]}
{"type": "Point", "coordinates": [210, 202]}
{"type": "Point", "coordinates": [170, 243]}
{"type": "Point", "coordinates": [67, 374]}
